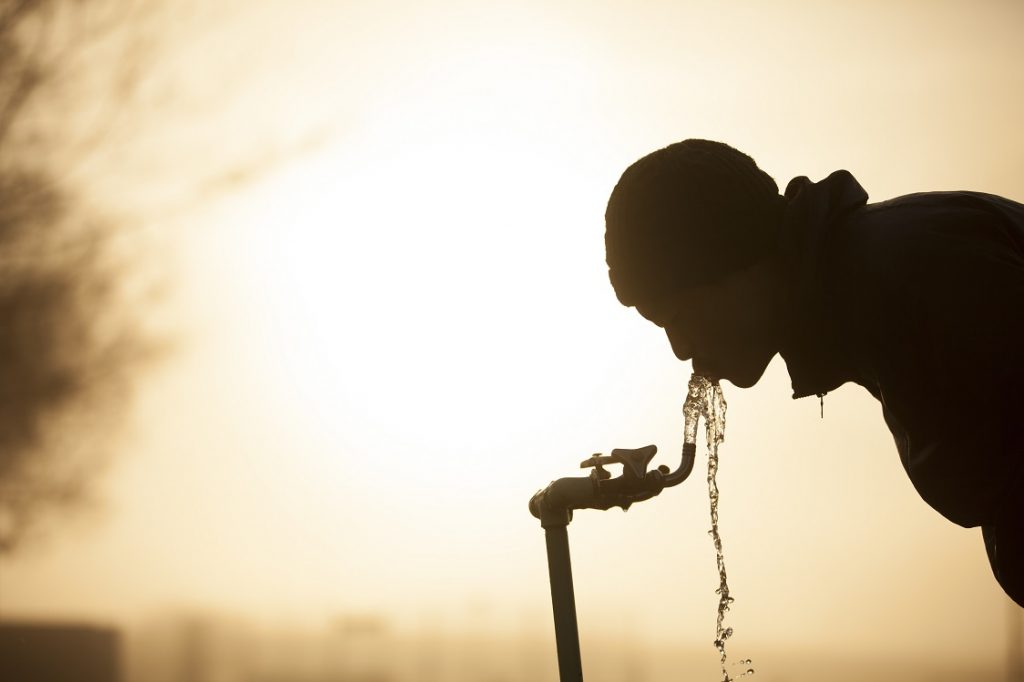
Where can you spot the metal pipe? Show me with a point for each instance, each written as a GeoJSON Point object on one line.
{"type": "Point", "coordinates": [563, 604]}
{"type": "Point", "coordinates": [554, 506]}
{"type": "Point", "coordinates": [685, 466]}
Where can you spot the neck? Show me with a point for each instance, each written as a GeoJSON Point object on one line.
{"type": "Point", "coordinates": [812, 347]}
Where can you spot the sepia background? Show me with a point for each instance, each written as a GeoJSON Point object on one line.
{"type": "Point", "coordinates": [302, 301]}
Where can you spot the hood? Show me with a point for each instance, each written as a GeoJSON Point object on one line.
{"type": "Point", "coordinates": [814, 212]}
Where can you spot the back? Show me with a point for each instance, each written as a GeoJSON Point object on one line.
{"type": "Point", "coordinates": [928, 293]}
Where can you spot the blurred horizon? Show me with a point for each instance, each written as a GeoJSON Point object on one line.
{"type": "Point", "coordinates": [367, 241]}
{"type": "Point", "coordinates": [192, 647]}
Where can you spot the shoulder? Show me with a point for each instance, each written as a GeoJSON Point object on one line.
{"type": "Point", "coordinates": [948, 236]}
{"type": "Point", "coordinates": [934, 281]}
{"type": "Point", "coordinates": [935, 218]}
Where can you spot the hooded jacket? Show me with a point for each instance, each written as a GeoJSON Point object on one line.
{"type": "Point", "coordinates": [920, 299]}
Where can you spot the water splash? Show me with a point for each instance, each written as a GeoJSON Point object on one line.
{"type": "Point", "coordinates": [704, 399]}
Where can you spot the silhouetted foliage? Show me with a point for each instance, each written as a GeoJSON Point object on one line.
{"type": "Point", "coordinates": [66, 347]}
{"type": "Point", "coordinates": [71, 334]}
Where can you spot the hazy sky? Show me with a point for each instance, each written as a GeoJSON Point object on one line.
{"type": "Point", "coordinates": [383, 224]}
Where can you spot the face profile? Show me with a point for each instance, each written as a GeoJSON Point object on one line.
{"type": "Point", "coordinates": [690, 238]}
{"type": "Point", "coordinates": [729, 329]}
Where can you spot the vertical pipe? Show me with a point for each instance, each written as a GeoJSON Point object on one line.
{"type": "Point", "coordinates": [563, 604]}
{"type": "Point", "coordinates": [1015, 642]}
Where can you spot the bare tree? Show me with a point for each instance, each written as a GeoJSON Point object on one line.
{"type": "Point", "coordinates": [73, 77]}
{"type": "Point", "coordinates": [68, 345]}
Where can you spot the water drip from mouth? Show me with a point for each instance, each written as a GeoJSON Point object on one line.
{"type": "Point", "coordinates": [704, 399]}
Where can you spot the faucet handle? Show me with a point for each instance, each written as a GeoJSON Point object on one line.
{"type": "Point", "coordinates": [634, 462]}
{"type": "Point", "coordinates": [597, 460]}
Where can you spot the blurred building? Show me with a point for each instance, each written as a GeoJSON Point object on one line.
{"type": "Point", "coordinates": [218, 648]}
{"type": "Point", "coordinates": [48, 652]}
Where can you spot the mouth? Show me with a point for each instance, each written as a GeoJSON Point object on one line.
{"type": "Point", "coordinates": [701, 368]}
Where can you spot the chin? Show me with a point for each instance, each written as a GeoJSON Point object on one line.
{"type": "Point", "coordinates": [745, 382]}
{"type": "Point", "coordinates": [745, 377]}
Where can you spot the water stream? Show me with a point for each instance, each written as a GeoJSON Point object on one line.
{"type": "Point", "coordinates": [704, 399]}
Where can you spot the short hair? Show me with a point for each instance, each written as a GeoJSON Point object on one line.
{"type": "Point", "coordinates": [686, 215]}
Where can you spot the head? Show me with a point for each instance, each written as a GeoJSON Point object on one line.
{"type": "Point", "coordinates": [691, 241]}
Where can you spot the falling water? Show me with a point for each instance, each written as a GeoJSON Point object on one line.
{"type": "Point", "coordinates": [704, 399]}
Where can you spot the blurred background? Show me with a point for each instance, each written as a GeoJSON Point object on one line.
{"type": "Point", "coordinates": [301, 301]}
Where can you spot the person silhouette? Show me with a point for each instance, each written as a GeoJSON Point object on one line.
{"type": "Point", "coordinates": [919, 299]}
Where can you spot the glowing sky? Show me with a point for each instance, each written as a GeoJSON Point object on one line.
{"type": "Point", "coordinates": [398, 326]}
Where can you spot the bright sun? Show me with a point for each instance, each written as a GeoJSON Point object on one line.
{"type": "Point", "coordinates": [404, 290]}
